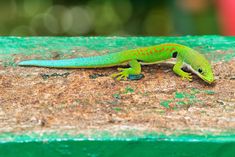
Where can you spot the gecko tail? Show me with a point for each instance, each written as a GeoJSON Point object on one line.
{"type": "Point", "coordinates": [45, 63]}
{"type": "Point", "coordinates": [67, 63]}
{"type": "Point", "coordinates": [86, 62]}
{"type": "Point", "coordinates": [30, 63]}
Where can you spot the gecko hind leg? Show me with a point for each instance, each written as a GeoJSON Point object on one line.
{"type": "Point", "coordinates": [135, 69]}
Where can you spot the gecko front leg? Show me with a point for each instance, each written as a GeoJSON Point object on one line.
{"type": "Point", "coordinates": [135, 69]}
{"type": "Point", "coordinates": [177, 69]}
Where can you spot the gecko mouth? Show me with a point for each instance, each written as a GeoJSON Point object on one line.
{"type": "Point", "coordinates": [210, 80]}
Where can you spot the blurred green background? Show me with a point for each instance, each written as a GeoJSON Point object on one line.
{"type": "Point", "coordinates": [108, 17]}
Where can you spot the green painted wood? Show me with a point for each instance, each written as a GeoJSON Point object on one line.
{"type": "Point", "coordinates": [117, 149]}
{"type": "Point", "coordinates": [101, 145]}
{"type": "Point", "coordinates": [216, 48]}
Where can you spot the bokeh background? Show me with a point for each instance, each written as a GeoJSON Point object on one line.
{"type": "Point", "coordinates": [117, 17]}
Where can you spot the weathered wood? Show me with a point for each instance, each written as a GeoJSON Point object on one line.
{"type": "Point", "coordinates": [157, 115]}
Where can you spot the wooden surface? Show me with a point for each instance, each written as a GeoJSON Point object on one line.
{"type": "Point", "coordinates": [38, 104]}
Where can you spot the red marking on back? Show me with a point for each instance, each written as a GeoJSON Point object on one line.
{"type": "Point", "coordinates": [138, 52]}
{"type": "Point", "coordinates": [155, 49]}
{"type": "Point", "coordinates": [162, 49]}
{"type": "Point", "coordinates": [172, 49]}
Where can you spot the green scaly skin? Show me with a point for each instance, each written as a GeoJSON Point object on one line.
{"type": "Point", "coordinates": [146, 55]}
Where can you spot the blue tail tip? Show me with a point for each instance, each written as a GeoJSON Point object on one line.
{"type": "Point", "coordinates": [22, 63]}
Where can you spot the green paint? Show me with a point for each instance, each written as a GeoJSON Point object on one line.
{"type": "Point", "coordinates": [181, 99]}
{"type": "Point", "coordinates": [127, 135]}
{"type": "Point", "coordinates": [117, 109]}
{"type": "Point", "coordinates": [135, 77]}
{"type": "Point", "coordinates": [117, 96]}
{"type": "Point", "coordinates": [124, 144]}
{"type": "Point", "coordinates": [181, 103]}
{"type": "Point", "coordinates": [166, 103]}
{"type": "Point", "coordinates": [194, 91]}
{"type": "Point", "coordinates": [190, 98]}
{"type": "Point", "coordinates": [118, 148]}
{"type": "Point", "coordinates": [182, 95]}
{"type": "Point", "coordinates": [185, 99]}
{"type": "Point", "coordinates": [128, 89]}
{"type": "Point", "coordinates": [179, 95]}
{"type": "Point", "coordinates": [209, 92]}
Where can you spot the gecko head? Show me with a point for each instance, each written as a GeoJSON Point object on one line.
{"type": "Point", "coordinates": [203, 69]}
{"type": "Point", "coordinates": [206, 74]}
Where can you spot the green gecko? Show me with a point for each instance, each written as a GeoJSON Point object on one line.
{"type": "Point", "coordinates": [184, 56]}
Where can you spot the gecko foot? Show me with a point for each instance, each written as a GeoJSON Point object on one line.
{"type": "Point", "coordinates": [121, 75]}
{"type": "Point", "coordinates": [187, 76]}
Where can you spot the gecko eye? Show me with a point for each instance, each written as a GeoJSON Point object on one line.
{"type": "Point", "coordinates": [200, 70]}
